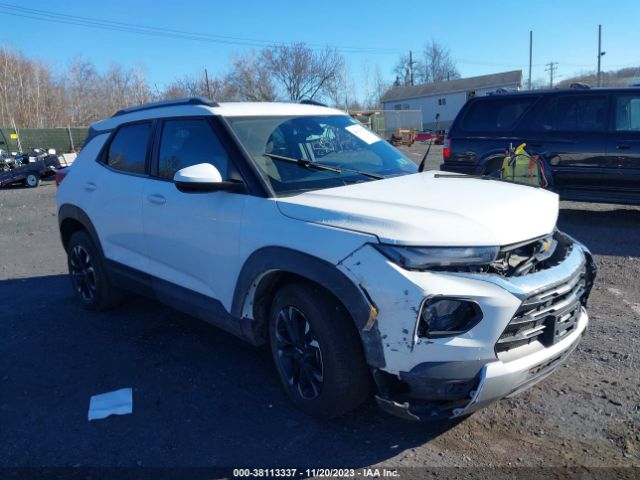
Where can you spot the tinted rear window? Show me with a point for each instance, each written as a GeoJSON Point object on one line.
{"type": "Point", "coordinates": [495, 114]}
{"type": "Point", "coordinates": [573, 113]}
{"type": "Point", "coordinates": [128, 150]}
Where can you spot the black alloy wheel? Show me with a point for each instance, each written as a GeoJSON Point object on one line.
{"type": "Point", "coordinates": [88, 274]}
{"type": "Point", "coordinates": [317, 351]}
{"type": "Point", "coordinates": [83, 274]}
{"type": "Point", "coordinates": [299, 353]}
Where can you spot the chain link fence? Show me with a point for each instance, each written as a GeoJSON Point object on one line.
{"type": "Point", "coordinates": [63, 140]}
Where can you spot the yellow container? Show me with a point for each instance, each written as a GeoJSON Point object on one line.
{"type": "Point", "coordinates": [520, 167]}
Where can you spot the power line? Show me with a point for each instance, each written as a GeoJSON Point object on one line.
{"type": "Point", "coordinates": [89, 22]}
{"type": "Point", "coordinates": [92, 22]}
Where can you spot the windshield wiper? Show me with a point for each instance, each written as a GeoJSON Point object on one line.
{"type": "Point", "coordinates": [319, 166]}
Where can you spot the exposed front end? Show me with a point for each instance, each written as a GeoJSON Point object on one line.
{"type": "Point", "coordinates": [458, 337]}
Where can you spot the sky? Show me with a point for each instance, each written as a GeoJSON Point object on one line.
{"type": "Point", "coordinates": [483, 37]}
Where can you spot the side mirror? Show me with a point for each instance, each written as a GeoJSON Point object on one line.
{"type": "Point", "coordinates": [202, 178]}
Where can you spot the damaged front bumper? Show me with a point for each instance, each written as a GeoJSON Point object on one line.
{"type": "Point", "coordinates": [432, 379]}
{"type": "Point", "coordinates": [494, 380]}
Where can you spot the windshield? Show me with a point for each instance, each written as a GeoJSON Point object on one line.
{"type": "Point", "coordinates": [334, 141]}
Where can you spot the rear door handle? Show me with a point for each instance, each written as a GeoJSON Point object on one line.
{"type": "Point", "coordinates": [90, 187]}
{"type": "Point", "coordinates": [623, 147]}
{"type": "Point", "coordinates": [156, 199]}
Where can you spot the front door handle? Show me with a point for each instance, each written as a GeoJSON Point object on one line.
{"type": "Point", "coordinates": [623, 147]}
{"type": "Point", "coordinates": [156, 199]}
{"type": "Point", "coordinates": [90, 187]}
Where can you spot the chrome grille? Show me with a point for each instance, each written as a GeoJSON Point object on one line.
{"type": "Point", "coordinates": [546, 316]}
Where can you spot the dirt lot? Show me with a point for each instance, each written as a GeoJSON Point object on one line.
{"type": "Point", "coordinates": [203, 398]}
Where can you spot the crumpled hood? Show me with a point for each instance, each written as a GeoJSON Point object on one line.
{"type": "Point", "coordinates": [431, 210]}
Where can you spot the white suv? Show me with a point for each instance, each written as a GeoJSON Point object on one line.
{"type": "Point", "coordinates": [293, 225]}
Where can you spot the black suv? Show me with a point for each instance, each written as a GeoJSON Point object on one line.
{"type": "Point", "coordinates": [588, 139]}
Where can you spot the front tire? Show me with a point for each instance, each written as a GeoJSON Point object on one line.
{"type": "Point", "coordinates": [317, 351]}
{"type": "Point", "coordinates": [88, 275]}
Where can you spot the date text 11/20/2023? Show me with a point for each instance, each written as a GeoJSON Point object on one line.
{"type": "Point", "coordinates": [315, 472]}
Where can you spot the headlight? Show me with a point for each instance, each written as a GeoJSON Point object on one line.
{"type": "Point", "coordinates": [443, 317]}
{"type": "Point", "coordinates": [420, 258]}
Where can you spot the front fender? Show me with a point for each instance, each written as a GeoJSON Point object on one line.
{"type": "Point", "coordinates": [279, 259]}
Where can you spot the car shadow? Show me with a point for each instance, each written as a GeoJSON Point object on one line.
{"type": "Point", "coordinates": [614, 231]}
{"type": "Point", "coordinates": [201, 397]}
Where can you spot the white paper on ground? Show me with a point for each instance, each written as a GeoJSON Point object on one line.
{"type": "Point", "coordinates": [118, 402]}
{"type": "Point", "coordinates": [362, 133]}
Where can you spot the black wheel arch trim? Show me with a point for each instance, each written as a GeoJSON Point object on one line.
{"type": "Point", "coordinates": [277, 259]}
{"type": "Point", "coordinates": [325, 274]}
{"type": "Point", "coordinates": [68, 211]}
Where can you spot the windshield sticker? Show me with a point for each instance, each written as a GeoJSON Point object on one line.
{"type": "Point", "coordinates": [363, 134]}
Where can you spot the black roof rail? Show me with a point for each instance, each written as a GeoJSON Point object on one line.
{"type": "Point", "coordinates": [167, 103]}
{"type": "Point", "coordinates": [313, 102]}
{"type": "Point", "coordinates": [580, 86]}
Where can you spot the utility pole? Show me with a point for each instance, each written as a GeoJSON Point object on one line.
{"type": "Point", "coordinates": [600, 54]}
{"type": "Point", "coordinates": [15, 129]}
{"type": "Point", "coordinates": [551, 68]}
{"type": "Point", "coordinates": [206, 79]}
{"type": "Point", "coordinates": [410, 68]}
{"type": "Point", "coordinates": [530, 55]}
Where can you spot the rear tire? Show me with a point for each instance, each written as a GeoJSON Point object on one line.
{"type": "Point", "coordinates": [32, 180]}
{"type": "Point", "coordinates": [88, 274]}
{"type": "Point", "coordinates": [317, 351]}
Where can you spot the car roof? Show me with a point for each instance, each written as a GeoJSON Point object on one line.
{"type": "Point", "coordinates": [559, 91]}
{"type": "Point", "coordinates": [201, 107]}
{"type": "Point", "coordinates": [263, 109]}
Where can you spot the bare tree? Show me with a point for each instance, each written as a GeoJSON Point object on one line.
{"type": "Point", "coordinates": [380, 86]}
{"type": "Point", "coordinates": [219, 89]}
{"type": "Point", "coordinates": [402, 72]}
{"type": "Point", "coordinates": [300, 72]}
{"type": "Point", "coordinates": [187, 86]}
{"type": "Point", "coordinates": [250, 79]}
{"type": "Point", "coordinates": [339, 89]}
{"type": "Point", "coordinates": [140, 90]}
{"type": "Point", "coordinates": [437, 64]}
{"type": "Point", "coordinates": [34, 95]}
{"type": "Point", "coordinates": [82, 92]}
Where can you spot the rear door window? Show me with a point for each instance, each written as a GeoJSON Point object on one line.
{"type": "Point", "coordinates": [495, 114]}
{"type": "Point", "coordinates": [128, 149]}
{"type": "Point", "coordinates": [573, 113]}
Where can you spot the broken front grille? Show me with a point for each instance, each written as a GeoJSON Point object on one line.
{"type": "Point", "coordinates": [546, 316]}
{"type": "Point", "coordinates": [523, 258]}
{"type": "Point", "coordinates": [532, 256]}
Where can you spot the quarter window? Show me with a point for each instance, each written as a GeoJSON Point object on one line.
{"type": "Point", "coordinates": [189, 142]}
{"type": "Point", "coordinates": [128, 150]}
{"type": "Point", "coordinates": [628, 113]}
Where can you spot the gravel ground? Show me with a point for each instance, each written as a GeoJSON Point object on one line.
{"type": "Point", "coordinates": [204, 398]}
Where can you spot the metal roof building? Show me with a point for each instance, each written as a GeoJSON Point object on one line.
{"type": "Point", "coordinates": [447, 98]}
